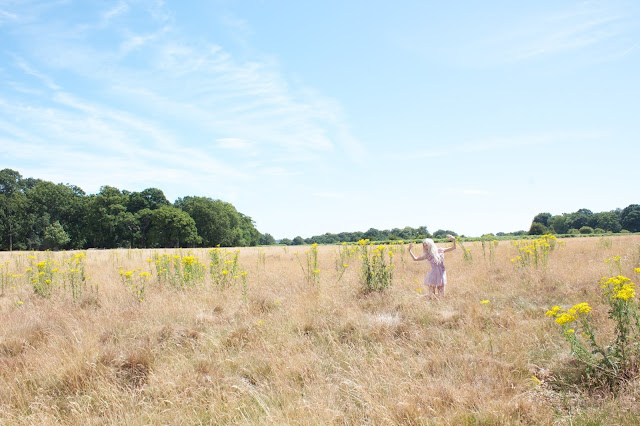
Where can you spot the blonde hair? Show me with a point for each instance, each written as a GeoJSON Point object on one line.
{"type": "Point", "coordinates": [431, 250]}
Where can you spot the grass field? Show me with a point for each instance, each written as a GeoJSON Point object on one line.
{"type": "Point", "coordinates": [282, 350]}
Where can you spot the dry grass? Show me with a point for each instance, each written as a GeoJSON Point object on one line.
{"type": "Point", "coordinates": [301, 354]}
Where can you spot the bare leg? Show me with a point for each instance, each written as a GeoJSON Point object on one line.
{"type": "Point", "coordinates": [440, 289]}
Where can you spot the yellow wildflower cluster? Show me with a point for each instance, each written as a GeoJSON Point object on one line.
{"type": "Point", "coordinates": [136, 283]}
{"type": "Point", "coordinates": [618, 287]}
{"type": "Point", "coordinates": [223, 266]}
{"type": "Point", "coordinates": [563, 317]}
{"type": "Point", "coordinates": [614, 261]}
{"type": "Point", "coordinates": [376, 272]}
{"type": "Point", "coordinates": [534, 252]}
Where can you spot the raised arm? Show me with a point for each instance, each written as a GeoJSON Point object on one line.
{"type": "Point", "coordinates": [413, 256]}
{"type": "Point", "coordinates": [453, 247]}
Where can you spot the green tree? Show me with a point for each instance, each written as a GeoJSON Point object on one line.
{"type": "Point", "coordinates": [48, 203]}
{"type": "Point", "coordinates": [630, 218]}
{"type": "Point", "coordinates": [12, 204]}
{"type": "Point", "coordinates": [267, 240]}
{"type": "Point", "coordinates": [543, 218]}
{"type": "Point", "coordinates": [107, 221]}
{"type": "Point", "coordinates": [172, 227]}
{"type": "Point", "coordinates": [55, 237]}
{"type": "Point", "coordinates": [583, 217]}
{"type": "Point", "coordinates": [537, 228]}
{"type": "Point", "coordinates": [219, 223]}
{"type": "Point", "coordinates": [609, 221]}
{"type": "Point", "coordinates": [150, 198]}
{"type": "Point", "coordinates": [558, 224]}
{"type": "Point", "coordinates": [144, 220]}
{"type": "Point", "coordinates": [442, 233]}
{"type": "Point", "coordinates": [297, 241]}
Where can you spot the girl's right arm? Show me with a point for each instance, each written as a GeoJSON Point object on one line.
{"type": "Point", "coordinates": [413, 256]}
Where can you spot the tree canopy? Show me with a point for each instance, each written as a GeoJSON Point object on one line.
{"type": "Point", "coordinates": [584, 221]}
{"type": "Point", "coordinates": [37, 215]}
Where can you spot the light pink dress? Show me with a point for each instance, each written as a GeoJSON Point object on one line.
{"type": "Point", "coordinates": [438, 275]}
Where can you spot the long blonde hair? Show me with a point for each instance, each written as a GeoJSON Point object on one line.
{"type": "Point", "coordinates": [431, 250]}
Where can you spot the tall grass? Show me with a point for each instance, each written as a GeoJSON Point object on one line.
{"type": "Point", "coordinates": [276, 350]}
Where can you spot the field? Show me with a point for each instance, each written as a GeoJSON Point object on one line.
{"type": "Point", "coordinates": [280, 343]}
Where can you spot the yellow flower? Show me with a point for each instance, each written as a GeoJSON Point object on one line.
{"type": "Point", "coordinates": [536, 381]}
{"type": "Point", "coordinates": [569, 331]}
{"type": "Point", "coordinates": [484, 302]}
{"type": "Point", "coordinates": [565, 318]}
{"type": "Point", "coordinates": [580, 308]}
{"type": "Point", "coordinates": [553, 312]}
{"type": "Point", "coordinates": [626, 292]}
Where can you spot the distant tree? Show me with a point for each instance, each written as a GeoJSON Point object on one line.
{"type": "Point", "coordinates": [630, 218]}
{"type": "Point", "coordinates": [542, 218]}
{"type": "Point", "coordinates": [150, 198]}
{"type": "Point", "coordinates": [422, 232]}
{"type": "Point", "coordinates": [172, 227]}
{"type": "Point", "coordinates": [55, 237]}
{"type": "Point", "coordinates": [558, 224]}
{"type": "Point", "coordinates": [583, 217]}
{"type": "Point", "coordinates": [441, 233]}
{"type": "Point", "coordinates": [586, 230]}
{"type": "Point", "coordinates": [286, 241]}
{"type": "Point", "coordinates": [297, 241]}
{"type": "Point", "coordinates": [144, 220]}
{"type": "Point", "coordinates": [609, 221]}
{"type": "Point", "coordinates": [372, 234]}
{"type": "Point", "coordinates": [537, 228]}
{"type": "Point", "coordinates": [267, 240]}
{"type": "Point", "coordinates": [107, 220]}
{"type": "Point", "coordinates": [219, 223]}
{"type": "Point", "coordinates": [12, 206]}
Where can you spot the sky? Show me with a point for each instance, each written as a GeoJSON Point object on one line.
{"type": "Point", "coordinates": [331, 116]}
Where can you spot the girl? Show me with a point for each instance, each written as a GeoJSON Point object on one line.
{"type": "Point", "coordinates": [437, 277]}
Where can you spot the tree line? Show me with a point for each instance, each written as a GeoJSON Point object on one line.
{"type": "Point", "coordinates": [405, 234]}
{"type": "Point", "coordinates": [40, 215]}
{"type": "Point", "coordinates": [584, 221]}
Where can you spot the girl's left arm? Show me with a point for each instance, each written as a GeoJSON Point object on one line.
{"type": "Point", "coordinates": [453, 247]}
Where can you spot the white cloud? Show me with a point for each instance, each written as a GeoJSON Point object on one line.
{"type": "Point", "coordinates": [46, 80]}
{"type": "Point", "coordinates": [7, 16]}
{"type": "Point", "coordinates": [475, 192]}
{"type": "Point", "coordinates": [120, 9]}
{"type": "Point", "coordinates": [236, 144]}
{"type": "Point", "coordinates": [332, 195]}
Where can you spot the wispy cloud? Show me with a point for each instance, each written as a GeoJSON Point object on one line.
{"type": "Point", "coordinates": [566, 33]}
{"type": "Point", "coordinates": [236, 144]}
{"type": "Point", "coordinates": [7, 16]}
{"type": "Point", "coordinates": [46, 80]}
{"type": "Point", "coordinates": [591, 31]}
{"type": "Point", "coordinates": [474, 192]}
{"type": "Point", "coordinates": [119, 9]}
{"type": "Point", "coordinates": [163, 104]}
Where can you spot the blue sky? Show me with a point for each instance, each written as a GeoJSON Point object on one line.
{"type": "Point", "coordinates": [331, 116]}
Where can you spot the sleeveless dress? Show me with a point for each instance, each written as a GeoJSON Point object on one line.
{"type": "Point", "coordinates": [438, 275]}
